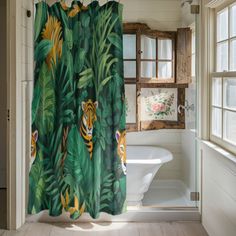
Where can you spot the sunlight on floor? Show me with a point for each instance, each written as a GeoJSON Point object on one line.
{"type": "Point", "coordinates": [96, 227]}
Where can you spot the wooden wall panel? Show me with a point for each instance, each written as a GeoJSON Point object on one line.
{"type": "Point", "coordinates": [183, 56]}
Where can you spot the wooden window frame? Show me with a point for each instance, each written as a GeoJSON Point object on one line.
{"type": "Point", "coordinates": [159, 35]}
{"type": "Point", "coordinates": [142, 29]}
{"type": "Point", "coordinates": [221, 141]}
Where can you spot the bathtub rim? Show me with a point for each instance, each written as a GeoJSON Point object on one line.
{"type": "Point", "coordinates": [159, 160]}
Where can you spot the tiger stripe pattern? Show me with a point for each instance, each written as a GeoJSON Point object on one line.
{"type": "Point", "coordinates": [121, 148]}
{"type": "Point", "coordinates": [34, 139]}
{"type": "Point", "coordinates": [87, 121]}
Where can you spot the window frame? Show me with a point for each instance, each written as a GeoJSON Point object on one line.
{"type": "Point", "coordinates": [221, 141]}
{"type": "Point", "coordinates": [133, 81]}
{"type": "Point", "coordinates": [142, 29]}
{"type": "Point", "coordinates": [154, 34]}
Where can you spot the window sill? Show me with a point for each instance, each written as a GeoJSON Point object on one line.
{"type": "Point", "coordinates": [223, 152]}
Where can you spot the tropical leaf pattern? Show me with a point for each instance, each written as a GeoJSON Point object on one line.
{"type": "Point", "coordinates": [78, 107]}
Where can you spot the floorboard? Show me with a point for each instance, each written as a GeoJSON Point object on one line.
{"type": "Point", "coordinates": [110, 229]}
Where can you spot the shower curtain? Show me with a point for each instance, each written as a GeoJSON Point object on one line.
{"type": "Point", "coordinates": [78, 148]}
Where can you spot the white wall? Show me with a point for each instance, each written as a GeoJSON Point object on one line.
{"type": "Point", "coordinates": [218, 166]}
{"type": "Point", "coordinates": [3, 95]}
{"type": "Point", "coordinates": [218, 191]}
{"type": "Point", "coordinates": [189, 166]}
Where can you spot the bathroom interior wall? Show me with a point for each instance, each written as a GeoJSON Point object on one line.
{"type": "Point", "coordinates": [218, 190]}
{"type": "Point", "coordinates": [3, 95]}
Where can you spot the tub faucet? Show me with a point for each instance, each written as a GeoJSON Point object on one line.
{"type": "Point", "coordinates": [186, 107]}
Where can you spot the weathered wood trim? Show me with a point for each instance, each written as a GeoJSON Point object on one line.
{"type": "Point", "coordinates": [156, 81]}
{"type": "Point", "coordinates": [162, 85]}
{"type": "Point", "coordinates": [159, 34]}
{"type": "Point", "coordinates": [135, 26]}
{"type": "Point", "coordinates": [184, 56]}
{"type": "Point", "coordinates": [156, 124]}
{"type": "Point", "coordinates": [142, 29]}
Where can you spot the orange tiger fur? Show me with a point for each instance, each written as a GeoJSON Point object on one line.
{"type": "Point", "coordinates": [121, 148]}
{"type": "Point", "coordinates": [86, 127]}
{"type": "Point", "coordinates": [34, 139]}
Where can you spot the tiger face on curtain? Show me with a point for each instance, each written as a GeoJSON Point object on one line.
{"type": "Point", "coordinates": [78, 151]}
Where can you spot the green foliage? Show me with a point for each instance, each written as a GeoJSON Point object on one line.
{"type": "Point", "coordinates": [79, 60]}
{"type": "Point", "coordinates": [90, 67]}
{"type": "Point", "coordinates": [115, 39]}
{"type": "Point", "coordinates": [101, 60]}
{"type": "Point", "coordinates": [86, 78]}
{"type": "Point", "coordinates": [69, 38]}
{"type": "Point", "coordinates": [78, 167]}
{"type": "Point", "coordinates": [64, 92]}
{"type": "Point", "coordinates": [37, 183]}
{"type": "Point", "coordinates": [107, 193]}
{"type": "Point", "coordinates": [44, 101]}
{"type": "Point", "coordinates": [40, 19]}
{"type": "Point", "coordinates": [42, 49]}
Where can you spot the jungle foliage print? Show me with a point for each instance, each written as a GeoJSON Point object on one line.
{"type": "Point", "coordinates": [78, 156]}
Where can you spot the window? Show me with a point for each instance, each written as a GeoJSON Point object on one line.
{"type": "Point", "coordinates": [223, 80]}
{"type": "Point", "coordinates": [153, 91]}
{"type": "Point", "coordinates": [157, 58]}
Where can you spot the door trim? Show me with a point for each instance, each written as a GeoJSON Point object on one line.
{"type": "Point", "coordinates": [15, 165]}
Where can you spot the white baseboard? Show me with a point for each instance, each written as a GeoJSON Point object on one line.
{"type": "Point", "coordinates": [140, 215]}
{"type": "Point", "coordinates": [3, 181]}
{"type": "Point", "coordinates": [135, 214]}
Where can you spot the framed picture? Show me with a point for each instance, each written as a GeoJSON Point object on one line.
{"type": "Point", "coordinates": [159, 104]}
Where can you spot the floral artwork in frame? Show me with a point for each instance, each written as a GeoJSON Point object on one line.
{"type": "Point", "coordinates": [130, 102]}
{"type": "Point", "coordinates": [159, 104]}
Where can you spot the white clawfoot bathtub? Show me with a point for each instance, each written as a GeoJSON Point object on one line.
{"type": "Point", "coordinates": [143, 162]}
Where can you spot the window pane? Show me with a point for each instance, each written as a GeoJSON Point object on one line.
{"type": "Point", "coordinates": [222, 25]}
{"type": "Point", "coordinates": [129, 46]}
{"type": "Point", "coordinates": [233, 21]}
{"type": "Point", "coordinates": [130, 69]}
{"type": "Point", "coordinates": [222, 56]}
{"type": "Point", "coordinates": [193, 65]}
{"type": "Point", "coordinates": [130, 101]}
{"type": "Point", "coordinates": [148, 69]}
{"type": "Point", "coordinates": [216, 121]}
{"type": "Point", "coordinates": [164, 49]}
{"type": "Point", "coordinates": [230, 126]}
{"type": "Point", "coordinates": [217, 92]}
{"type": "Point", "coordinates": [148, 47]}
{"type": "Point", "coordinates": [193, 42]}
{"type": "Point", "coordinates": [164, 70]}
{"type": "Point", "coordinates": [230, 93]}
{"type": "Point", "coordinates": [233, 55]}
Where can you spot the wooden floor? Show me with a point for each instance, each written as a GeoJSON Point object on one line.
{"type": "Point", "coordinates": [110, 229]}
{"type": "Point", "coordinates": [101, 229]}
